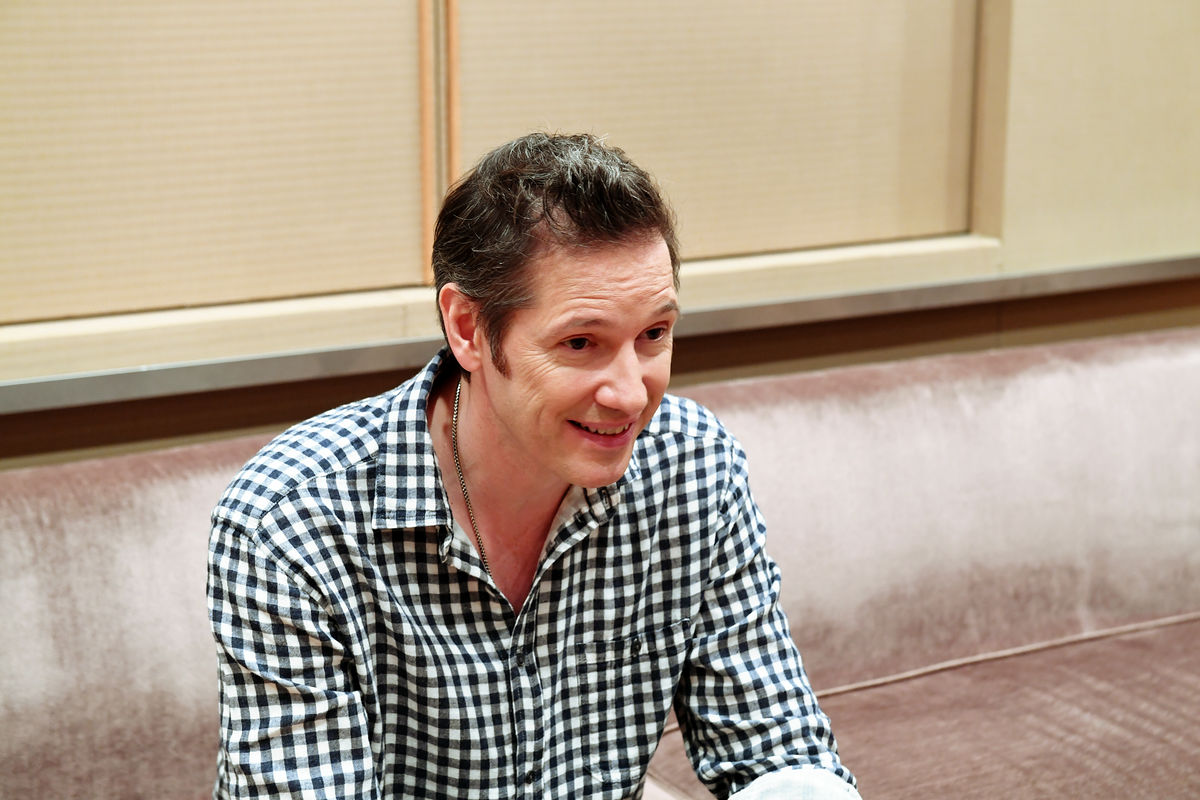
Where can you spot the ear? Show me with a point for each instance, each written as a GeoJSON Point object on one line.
{"type": "Point", "coordinates": [464, 334]}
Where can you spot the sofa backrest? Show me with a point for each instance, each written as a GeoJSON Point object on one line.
{"type": "Point", "coordinates": [943, 507]}
{"type": "Point", "coordinates": [920, 511]}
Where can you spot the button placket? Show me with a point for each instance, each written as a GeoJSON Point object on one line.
{"type": "Point", "coordinates": [526, 694]}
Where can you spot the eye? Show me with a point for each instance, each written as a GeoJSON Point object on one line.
{"type": "Point", "coordinates": [654, 334]}
{"type": "Point", "coordinates": [577, 343]}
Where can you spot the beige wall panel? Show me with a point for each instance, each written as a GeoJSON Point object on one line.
{"type": "Point", "coordinates": [772, 125]}
{"type": "Point", "coordinates": [1102, 161]}
{"type": "Point", "coordinates": [161, 154]}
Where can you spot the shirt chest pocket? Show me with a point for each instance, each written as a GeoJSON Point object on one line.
{"type": "Point", "coordinates": [623, 690]}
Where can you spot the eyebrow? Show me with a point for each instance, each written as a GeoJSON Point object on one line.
{"type": "Point", "coordinates": [668, 307]}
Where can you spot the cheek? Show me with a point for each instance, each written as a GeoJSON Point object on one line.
{"type": "Point", "coordinates": [534, 375]}
{"type": "Point", "coordinates": [655, 379]}
{"type": "Point", "coordinates": [658, 376]}
{"type": "Point", "coordinates": [553, 393]}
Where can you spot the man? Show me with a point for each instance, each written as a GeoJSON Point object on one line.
{"type": "Point", "coordinates": [497, 579]}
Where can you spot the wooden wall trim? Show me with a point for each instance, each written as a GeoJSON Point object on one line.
{"type": "Point", "coordinates": [427, 99]}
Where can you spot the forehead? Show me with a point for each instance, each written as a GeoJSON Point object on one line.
{"type": "Point", "coordinates": [627, 269]}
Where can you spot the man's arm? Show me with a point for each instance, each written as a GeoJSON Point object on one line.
{"type": "Point", "coordinates": [750, 719]}
{"type": "Point", "coordinates": [292, 723]}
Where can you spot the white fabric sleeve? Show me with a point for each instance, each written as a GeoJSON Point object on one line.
{"type": "Point", "coordinates": [803, 783]}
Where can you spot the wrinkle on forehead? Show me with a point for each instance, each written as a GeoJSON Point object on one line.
{"type": "Point", "coordinates": [573, 260]}
{"type": "Point", "coordinates": [548, 244]}
{"type": "Point", "coordinates": [584, 320]}
{"type": "Point", "coordinates": [577, 303]}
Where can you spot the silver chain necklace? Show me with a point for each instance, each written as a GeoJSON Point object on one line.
{"type": "Point", "coordinates": [462, 482]}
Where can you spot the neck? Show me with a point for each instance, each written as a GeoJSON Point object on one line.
{"type": "Point", "coordinates": [499, 487]}
{"type": "Point", "coordinates": [512, 513]}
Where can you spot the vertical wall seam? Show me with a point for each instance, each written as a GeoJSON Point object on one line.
{"type": "Point", "coordinates": [427, 102]}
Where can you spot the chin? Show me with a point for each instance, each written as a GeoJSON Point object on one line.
{"type": "Point", "coordinates": [601, 476]}
{"type": "Point", "coordinates": [596, 484]}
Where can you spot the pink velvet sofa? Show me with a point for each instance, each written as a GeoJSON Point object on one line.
{"type": "Point", "coordinates": [991, 564]}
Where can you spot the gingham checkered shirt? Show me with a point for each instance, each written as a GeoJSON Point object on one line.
{"type": "Point", "coordinates": [365, 653]}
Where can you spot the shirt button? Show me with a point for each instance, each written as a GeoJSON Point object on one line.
{"type": "Point", "coordinates": [531, 777]}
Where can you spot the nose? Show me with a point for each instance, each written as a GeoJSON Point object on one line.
{"type": "Point", "coordinates": [622, 384]}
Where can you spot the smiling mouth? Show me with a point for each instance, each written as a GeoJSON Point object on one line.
{"type": "Point", "coordinates": [601, 431]}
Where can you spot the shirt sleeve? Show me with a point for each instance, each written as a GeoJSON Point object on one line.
{"type": "Point", "coordinates": [744, 703]}
{"type": "Point", "coordinates": [292, 723]}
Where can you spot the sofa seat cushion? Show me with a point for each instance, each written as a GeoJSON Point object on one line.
{"type": "Point", "coordinates": [1107, 717]}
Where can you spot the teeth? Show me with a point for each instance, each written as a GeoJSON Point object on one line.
{"type": "Point", "coordinates": [605, 431]}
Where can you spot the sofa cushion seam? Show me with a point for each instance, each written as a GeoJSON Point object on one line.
{"type": "Point", "coordinates": [1012, 652]}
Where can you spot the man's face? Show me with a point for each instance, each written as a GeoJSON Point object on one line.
{"type": "Point", "coordinates": [588, 361]}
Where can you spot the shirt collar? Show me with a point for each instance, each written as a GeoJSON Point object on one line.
{"type": "Point", "coordinates": [408, 484]}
